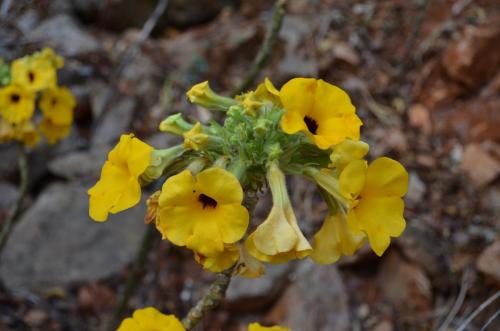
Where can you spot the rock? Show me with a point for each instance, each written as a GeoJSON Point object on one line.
{"type": "Point", "coordinates": [474, 59]}
{"type": "Point", "coordinates": [115, 122]}
{"type": "Point", "coordinates": [80, 164]}
{"type": "Point", "coordinates": [489, 261]}
{"type": "Point", "coordinates": [123, 14]}
{"type": "Point", "coordinates": [27, 21]}
{"type": "Point", "coordinates": [405, 285]}
{"type": "Point", "coordinates": [56, 244]}
{"type": "Point", "coordinates": [316, 301]}
{"type": "Point", "coordinates": [481, 167]}
{"type": "Point", "coordinates": [419, 117]}
{"type": "Point", "coordinates": [250, 295]}
{"type": "Point", "coordinates": [99, 92]}
{"type": "Point", "coordinates": [8, 195]}
{"type": "Point", "coordinates": [64, 34]}
{"type": "Point", "coordinates": [297, 60]}
{"type": "Point", "coordinates": [416, 190]}
{"type": "Point", "coordinates": [8, 155]}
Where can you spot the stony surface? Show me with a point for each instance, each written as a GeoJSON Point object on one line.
{"type": "Point", "coordinates": [71, 40]}
{"type": "Point", "coordinates": [80, 164]}
{"type": "Point", "coordinates": [252, 294]}
{"type": "Point", "coordinates": [308, 306]}
{"type": "Point", "coordinates": [55, 243]}
{"type": "Point", "coordinates": [114, 123]}
{"type": "Point", "coordinates": [489, 261]}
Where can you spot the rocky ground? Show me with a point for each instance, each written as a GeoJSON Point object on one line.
{"type": "Point", "coordinates": [425, 78]}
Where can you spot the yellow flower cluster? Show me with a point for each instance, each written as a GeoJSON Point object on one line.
{"type": "Point", "coordinates": [307, 128]}
{"type": "Point", "coordinates": [29, 76]}
{"type": "Point", "coordinates": [150, 319]}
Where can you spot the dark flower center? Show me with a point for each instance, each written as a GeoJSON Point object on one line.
{"type": "Point", "coordinates": [53, 102]}
{"type": "Point", "coordinates": [31, 76]}
{"type": "Point", "coordinates": [207, 201]}
{"type": "Point", "coordinates": [311, 124]}
{"type": "Point", "coordinates": [14, 97]}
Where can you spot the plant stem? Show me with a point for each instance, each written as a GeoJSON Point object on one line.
{"type": "Point", "coordinates": [134, 277]}
{"type": "Point", "coordinates": [265, 49]}
{"type": "Point", "coordinates": [215, 294]}
{"type": "Point", "coordinates": [15, 211]}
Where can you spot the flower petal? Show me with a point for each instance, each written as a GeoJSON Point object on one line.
{"type": "Point", "coordinates": [329, 101]}
{"type": "Point", "coordinates": [381, 219]}
{"type": "Point", "coordinates": [220, 185]}
{"type": "Point", "coordinates": [352, 179]}
{"type": "Point", "coordinates": [385, 177]}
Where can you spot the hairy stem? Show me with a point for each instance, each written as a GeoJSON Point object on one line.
{"type": "Point", "coordinates": [15, 211]}
{"type": "Point", "coordinates": [265, 49]}
{"type": "Point", "coordinates": [134, 278]}
{"type": "Point", "coordinates": [215, 294]}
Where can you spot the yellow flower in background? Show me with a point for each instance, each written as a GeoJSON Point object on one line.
{"type": "Point", "coordinates": [48, 55]}
{"type": "Point", "coordinates": [348, 151]}
{"type": "Point", "coordinates": [279, 237]}
{"type": "Point", "coordinates": [57, 104]}
{"type": "Point", "coordinates": [375, 193]}
{"type": "Point", "coordinates": [203, 212]}
{"type": "Point", "coordinates": [24, 132]}
{"type": "Point", "coordinates": [34, 72]}
{"type": "Point", "coordinates": [321, 110]}
{"type": "Point", "coordinates": [150, 319]}
{"type": "Point", "coordinates": [258, 327]}
{"type": "Point", "coordinates": [335, 239]}
{"type": "Point", "coordinates": [195, 139]}
{"type": "Point", "coordinates": [119, 188]}
{"type": "Point", "coordinates": [52, 131]}
{"type": "Point", "coordinates": [16, 103]}
{"type": "Point", "coordinates": [220, 261]}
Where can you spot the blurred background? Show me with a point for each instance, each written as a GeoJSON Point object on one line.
{"type": "Point", "coordinates": [424, 76]}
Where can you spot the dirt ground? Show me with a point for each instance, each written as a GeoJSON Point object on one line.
{"type": "Point", "coordinates": [424, 76]}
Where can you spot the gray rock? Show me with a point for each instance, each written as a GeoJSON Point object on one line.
{"type": "Point", "coordinates": [8, 195]}
{"type": "Point", "coordinates": [9, 164]}
{"type": "Point", "coordinates": [416, 190]}
{"type": "Point", "coordinates": [80, 164]}
{"type": "Point", "coordinates": [246, 294]}
{"type": "Point", "coordinates": [55, 243]}
{"type": "Point", "coordinates": [316, 301]}
{"type": "Point", "coordinates": [27, 21]}
{"type": "Point", "coordinates": [64, 34]}
{"type": "Point", "coordinates": [115, 122]}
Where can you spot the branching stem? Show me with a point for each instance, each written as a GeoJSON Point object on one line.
{"type": "Point", "coordinates": [15, 211]}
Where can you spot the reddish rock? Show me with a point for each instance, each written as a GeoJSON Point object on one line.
{"type": "Point", "coordinates": [489, 261]}
{"type": "Point", "coordinates": [474, 58]}
{"type": "Point", "coordinates": [405, 285]}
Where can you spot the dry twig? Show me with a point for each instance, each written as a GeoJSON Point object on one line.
{"type": "Point", "coordinates": [479, 309]}
{"type": "Point", "coordinates": [266, 48]}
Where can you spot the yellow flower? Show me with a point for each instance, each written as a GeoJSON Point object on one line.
{"type": "Point", "coordinates": [16, 103]}
{"type": "Point", "coordinates": [201, 94]}
{"type": "Point", "coordinates": [248, 266]}
{"type": "Point", "coordinates": [52, 131]}
{"type": "Point", "coordinates": [265, 93]}
{"type": "Point", "coordinates": [203, 212]}
{"type": "Point", "coordinates": [348, 151]}
{"type": "Point", "coordinates": [220, 261]}
{"type": "Point", "coordinates": [335, 239]}
{"type": "Point", "coordinates": [321, 110]}
{"type": "Point", "coordinates": [375, 193]}
{"type": "Point", "coordinates": [195, 138]}
{"type": "Point", "coordinates": [258, 327]}
{"type": "Point", "coordinates": [118, 188]}
{"type": "Point", "coordinates": [150, 319]}
{"type": "Point", "coordinates": [57, 104]}
{"type": "Point", "coordinates": [35, 72]}
{"type": "Point", "coordinates": [24, 132]}
{"type": "Point", "coordinates": [278, 238]}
